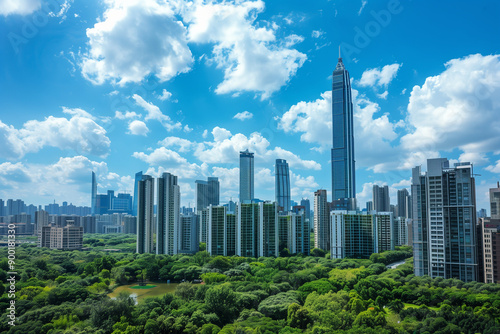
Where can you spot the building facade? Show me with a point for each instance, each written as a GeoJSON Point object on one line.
{"type": "Point", "coordinates": [168, 215]}
{"type": "Point", "coordinates": [343, 164]}
{"type": "Point", "coordinates": [381, 201]}
{"type": "Point", "coordinates": [444, 231]}
{"type": "Point", "coordinates": [321, 221]}
{"type": "Point", "coordinates": [282, 185]}
{"type": "Point", "coordinates": [246, 177]}
{"type": "Point", "coordinates": [145, 214]}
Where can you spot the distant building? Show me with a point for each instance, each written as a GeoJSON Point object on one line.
{"type": "Point", "coordinates": [321, 221]}
{"type": "Point", "coordinates": [69, 237]}
{"type": "Point", "coordinates": [93, 199]}
{"type": "Point", "coordinates": [381, 201]}
{"type": "Point", "coordinates": [129, 224]}
{"type": "Point", "coordinates": [207, 193]}
{"type": "Point", "coordinates": [138, 177]}
{"type": "Point", "coordinates": [246, 177]}
{"type": "Point", "coordinates": [293, 232]}
{"type": "Point", "coordinates": [404, 203]}
{"type": "Point", "coordinates": [189, 234]}
{"type": "Point", "coordinates": [282, 185]}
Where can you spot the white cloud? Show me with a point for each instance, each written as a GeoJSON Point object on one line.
{"type": "Point", "coordinates": [165, 95]}
{"type": "Point", "coordinates": [79, 134]}
{"type": "Point", "coordinates": [205, 133]}
{"type": "Point", "coordinates": [373, 134]}
{"type": "Point", "coordinates": [226, 147]}
{"type": "Point", "coordinates": [494, 168]}
{"type": "Point", "coordinates": [182, 144]}
{"type": "Point", "coordinates": [377, 77]}
{"type": "Point", "coordinates": [317, 33]}
{"type": "Point", "coordinates": [243, 115]}
{"type": "Point", "coordinates": [457, 108]}
{"type": "Point", "coordinates": [383, 95]}
{"type": "Point", "coordinates": [138, 128]}
{"type": "Point", "coordinates": [403, 92]}
{"type": "Point", "coordinates": [248, 53]}
{"type": "Point", "coordinates": [293, 39]}
{"type": "Point", "coordinates": [127, 115]}
{"type": "Point", "coordinates": [19, 7]}
{"type": "Point", "coordinates": [155, 43]}
{"type": "Point", "coordinates": [363, 4]}
{"type": "Point", "coordinates": [154, 113]}
{"type": "Point", "coordinates": [187, 128]}
{"type": "Point", "coordinates": [77, 112]}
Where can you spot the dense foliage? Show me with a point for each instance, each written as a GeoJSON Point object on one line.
{"type": "Point", "coordinates": [66, 292]}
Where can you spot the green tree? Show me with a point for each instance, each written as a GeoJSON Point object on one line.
{"type": "Point", "coordinates": [221, 300]}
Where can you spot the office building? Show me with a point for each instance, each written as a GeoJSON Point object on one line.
{"type": "Point", "coordinates": [282, 185]}
{"type": "Point", "coordinates": [207, 193]}
{"type": "Point", "coordinates": [145, 214]}
{"type": "Point", "coordinates": [444, 231]}
{"type": "Point", "coordinates": [246, 177]}
{"type": "Point", "coordinates": [122, 203]}
{"type": "Point", "coordinates": [307, 210]}
{"type": "Point", "coordinates": [343, 165]}
{"type": "Point", "coordinates": [168, 215]}
{"type": "Point", "coordinates": [381, 201]}
{"type": "Point", "coordinates": [321, 220]}
{"type": "Point", "coordinates": [216, 230]}
{"type": "Point", "coordinates": [495, 202]}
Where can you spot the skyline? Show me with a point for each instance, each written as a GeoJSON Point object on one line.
{"type": "Point", "coordinates": [62, 116]}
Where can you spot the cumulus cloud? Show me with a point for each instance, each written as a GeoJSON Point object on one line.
{"type": "Point", "coordinates": [66, 179]}
{"type": "Point", "coordinates": [243, 115]}
{"type": "Point", "coordinates": [379, 77]}
{"type": "Point", "coordinates": [138, 128]}
{"type": "Point", "coordinates": [182, 145]}
{"type": "Point", "coordinates": [126, 115]}
{"type": "Point", "coordinates": [155, 44]}
{"type": "Point", "coordinates": [457, 108]}
{"type": "Point", "coordinates": [374, 133]}
{"type": "Point", "coordinates": [77, 112]}
{"type": "Point", "coordinates": [154, 113]}
{"type": "Point", "coordinates": [19, 7]}
{"type": "Point", "coordinates": [248, 53]}
{"type": "Point", "coordinates": [293, 39]}
{"type": "Point", "coordinates": [317, 33]}
{"type": "Point", "coordinates": [78, 134]}
{"type": "Point", "coordinates": [165, 95]}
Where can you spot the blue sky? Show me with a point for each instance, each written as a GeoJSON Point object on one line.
{"type": "Point", "coordinates": [122, 86]}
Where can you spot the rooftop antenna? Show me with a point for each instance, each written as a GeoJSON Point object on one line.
{"type": "Point", "coordinates": [339, 52]}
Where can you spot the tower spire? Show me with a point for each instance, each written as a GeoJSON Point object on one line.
{"type": "Point", "coordinates": [339, 53]}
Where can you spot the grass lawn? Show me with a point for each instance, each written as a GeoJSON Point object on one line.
{"type": "Point", "coordinates": [408, 305]}
{"type": "Point", "coordinates": [143, 287]}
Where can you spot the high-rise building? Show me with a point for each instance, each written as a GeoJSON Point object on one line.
{"type": "Point", "coordinates": [282, 185]}
{"type": "Point", "coordinates": [93, 200]}
{"type": "Point", "coordinates": [246, 177]}
{"type": "Point", "coordinates": [444, 231]}
{"type": "Point", "coordinates": [359, 235]}
{"type": "Point", "coordinates": [207, 193]}
{"type": "Point", "coordinates": [369, 206]}
{"type": "Point", "coordinates": [41, 219]}
{"type": "Point", "coordinates": [145, 214]}
{"type": "Point", "coordinates": [213, 191]}
{"type": "Point", "coordinates": [343, 164]}
{"type": "Point", "coordinates": [189, 234]}
{"type": "Point", "coordinates": [490, 244]}
{"type": "Point", "coordinates": [2, 208]}
{"type": "Point", "coordinates": [138, 177]}
{"type": "Point", "coordinates": [216, 230]}
{"type": "Point", "coordinates": [203, 218]}
{"type": "Point", "coordinates": [381, 201]}
{"type": "Point", "coordinates": [293, 232]}
{"type": "Point", "coordinates": [168, 215]}
{"type": "Point", "coordinates": [122, 203]}
{"type": "Point", "coordinates": [268, 229]}
{"type": "Point", "coordinates": [307, 210]}
{"type": "Point", "coordinates": [403, 203]}
{"type": "Point", "coordinates": [129, 224]}
{"type": "Point", "coordinates": [321, 221]}
{"type": "Point", "coordinates": [230, 234]}
{"type": "Point", "coordinates": [401, 231]}
{"type": "Point", "coordinates": [495, 202]}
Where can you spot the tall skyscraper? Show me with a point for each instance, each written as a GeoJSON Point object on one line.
{"type": "Point", "coordinates": [246, 177]}
{"type": "Point", "coordinates": [213, 191]}
{"type": "Point", "coordinates": [145, 214]}
{"type": "Point", "coordinates": [93, 201]}
{"type": "Point", "coordinates": [343, 164]}
{"type": "Point", "coordinates": [321, 221]}
{"type": "Point", "coordinates": [444, 223]}
{"type": "Point", "coordinates": [282, 185]}
{"type": "Point", "coordinates": [207, 193]}
{"type": "Point", "coordinates": [307, 210]}
{"type": "Point", "coordinates": [381, 201]}
{"type": "Point", "coordinates": [189, 233]}
{"type": "Point", "coordinates": [138, 177]}
{"type": "Point", "coordinates": [403, 203]}
{"type": "Point", "coordinates": [168, 215]}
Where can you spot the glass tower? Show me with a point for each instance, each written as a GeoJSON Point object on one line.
{"type": "Point", "coordinates": [246, 176]}
{"type": "Point", "coordinates": [138, 177]}
{"type": "Point", "coordinates": [343, 179]}
{"type": "Point", "coordinates": [282, 185]}
{"type": "Point", "coordinates": [94, 195]}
